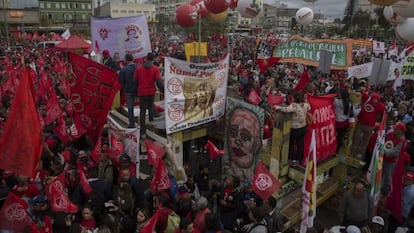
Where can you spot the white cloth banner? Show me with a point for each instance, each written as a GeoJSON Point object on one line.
{"type": "Point", "coordinates": [395, 71]}
{"type": "Point", "coordinates": [195, 93]}
{"type": "Point", "coordinates": [66, 34]}
{"type": "Point", "coordinates": [121, 35]}
{"type": "Point", "coordinates": [378, 47]}
{"type": "Point", "coordinates": [130, 139]}
{"type": "Point", "coordinates": [360, 71]}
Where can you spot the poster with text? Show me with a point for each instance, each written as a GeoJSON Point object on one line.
{"type": "Point", "coordinates": [195, 93]}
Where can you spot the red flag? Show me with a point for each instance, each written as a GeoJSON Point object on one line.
{"type": "Point", "coordinates": [86, 187]}
{"type": "Point", "coordinates": [275, 99]}
{"type": "Point", "coordinates": [254, 97]}
{"type": "Point", "coordinates": [150, 225]}
{"type": "Point", "coordinates": [93, 88]}
{"type": "Point", "coordinates": [64, 86]}
{"type": "Point", "coordinates": [304, 80]}
{"type": "Point", "coordinates": [76, 133]}
{"type": "Point", "coordinates": [61, 131]}
{"type": "Point", "coordinates": [394, 200]}
{"type": "Point", "coordinates": [265, 63]}
{"type": "Point", "coordinates": [96, 152]}
{"type": "Point", "coordinates": [117, 148]}
{"type": "Point", "coordinates": [264, 183]}
{"type": "Point", "coordinates": [54, 112]}
{"type": "Point", "coordinates": [21, 142]}
{"type": "Point", "coordinates": [160, 181]}
{"type": "Point", "coordinates": [213, 151]}
{"type": "Point", "coordinates": [13, 214]}
{"type": "Point", "coordinates": [154, 152]}
{"type": "Point", "coordinates": [58, 199]}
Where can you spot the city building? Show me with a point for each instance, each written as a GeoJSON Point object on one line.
{"type": "Point", "coordinates": [17, 17]}
{"type": "Point", "coordinates": [73, 14]}
{"type": "Point", "coordinates": [130, 8]}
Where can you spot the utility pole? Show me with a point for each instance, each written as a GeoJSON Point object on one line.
{"type": "Point", "coordinates": [6, 24]}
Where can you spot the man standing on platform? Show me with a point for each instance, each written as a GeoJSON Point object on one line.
{"type": "Point", "coordinates": [129, 86]}
{"type": "Point", "coordinates": [148, 75]}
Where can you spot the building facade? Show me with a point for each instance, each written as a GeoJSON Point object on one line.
{"type": "Point", "coordinates": [74, 14]}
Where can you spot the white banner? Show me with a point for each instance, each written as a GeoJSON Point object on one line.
{"type": "Point", "coordinates": [195, 93]}
{"type": "Point", "coordinates": [130, 139]}
{"type": "Point", "coordinates": [360, 71]}
{"type": "Point", "coordinates": [121, 35]}
{"type": "Point", "coordinates": [378, 47]}
{"type": "Point", "coordinates": [407, 70]}
{"type": "Point", "coordinates": [394, 71]}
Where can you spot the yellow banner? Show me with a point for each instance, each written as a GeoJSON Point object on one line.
{"type": "Point", "coordinates": [192, 51]}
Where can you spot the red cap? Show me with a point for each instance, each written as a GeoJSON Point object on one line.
{"type": "Point", "coordinates": [105, 53]}
{"type": "Point", "coordinates": [400, 126]}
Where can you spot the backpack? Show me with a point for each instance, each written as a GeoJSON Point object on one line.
{"type": "Point", "coordinates": [173, 223]}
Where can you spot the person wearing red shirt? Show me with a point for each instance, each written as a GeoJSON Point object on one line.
{"type": "Point", "coordinates": [149, 77]}
{"type": "Point", "coordinates": [371, 108]}
{"type": "Point", "coordinates": [394, 147]}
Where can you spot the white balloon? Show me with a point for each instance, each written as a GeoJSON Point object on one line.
{"type": "Point", "coordinates": [249, 8]}
{"type": "Point", "coordinates": [304, 16]}
{"type": "Point", "coordinates": [405, 8]}
{"type": "Point", "coordinates": [391, 16]}
{"type": "Point", "coordinates": [405, 30]}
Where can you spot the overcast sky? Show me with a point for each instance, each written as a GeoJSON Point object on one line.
{"type": "Point", "coordinates": [330, 8]}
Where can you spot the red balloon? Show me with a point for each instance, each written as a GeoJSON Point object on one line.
{"type": "Point", "coordinates": [186, 15]}
{"type": "Point", "coordinates": [200, 6]}
{"type": "Point", "coordinates": [233, 4]}
{"type": "Point", "coordinates": [216, 6]}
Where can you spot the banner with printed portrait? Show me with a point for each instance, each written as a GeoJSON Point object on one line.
{"type": "Point", "coordinates": [323, 113]}
{"type": "Point", "coordinates": [121, 35]}
{"type": "Point", "coordinates": [243, 138]}
{"type": "Point", "coordinates": [195, 93]}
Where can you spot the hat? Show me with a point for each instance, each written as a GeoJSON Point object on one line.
{"type": "Point", "coordinates": [82, 154]}
{"type": "Point", "coordinates": [105, 53]}
{"type": "Point", "coordinates": [378, 220]}
{"type": "Point", "coordinates": [124, 158]}
{"type": "Point", "coordinates": [38, 200]}
{"type": "Point", "coordinates": [409, 176]}
{"type": "Point", "coordinates": [400, 126]}
{"type": "Point", "coordinates": [353, 229]}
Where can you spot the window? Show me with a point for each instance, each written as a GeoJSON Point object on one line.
{"type": "Point", "coordinates": [63, 5]}
{"type": "Point", "coordinates": [89, 6]}
{"type": "Point", "coordinates": [48, 5]}
{"type": "Point", "coordinates": [42, 5]}
{"type": "Point", "coordinates": [131, 11]}
{"type": "Point", "coordinates": [115, 11]}
{"type": "Point", "coordinates": [84, 16]}
{"type": "Point", "coordinates": [123, 11]}
{"type": "Point", "coordinates": [57, 5]}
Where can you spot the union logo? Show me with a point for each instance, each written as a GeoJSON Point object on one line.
{"type": "Point", "coordinates": [175, 86]}
{"type": "Point", "coordinates": [263, 182]}
{"type": "Point", "coordinates": [15, 212]}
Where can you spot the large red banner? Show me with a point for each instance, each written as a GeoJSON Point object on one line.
{"type": "Point", "coordinates": [323, 112]}
{"type": "Point", "coordinates": [92, 90]}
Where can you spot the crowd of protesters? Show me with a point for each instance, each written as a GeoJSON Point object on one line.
{"type": "Point", "coordinates": [121, 202]}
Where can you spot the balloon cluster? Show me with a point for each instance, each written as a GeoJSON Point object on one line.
{"type": "Point", "coordinates": [401, 14]}
{"type": "Point", "coordinates": [186, 15]}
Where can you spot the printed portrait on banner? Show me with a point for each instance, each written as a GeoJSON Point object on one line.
{"type": "Point", "coordinates": [199, 96]}
{"type": "Point", "coordinates": [243, 138]}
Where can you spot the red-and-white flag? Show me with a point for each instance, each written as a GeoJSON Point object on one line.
{"type": "Point", "coordinates": [264, 183]}
{"type": "Point", "coordinates": [150, 225]}
{"type": "Point", "coordinates": [309, 188]}
{"type": "Point", "coordinates": [13, 214]}
{"type": "Point", "coordinates": [161, 181]}
{"type": "Point", "coordinates": [303, 82]}
{"type": "Point", "coordinates": [58, 199]}
{"type": "Point", "coordinates": [154, 152]}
